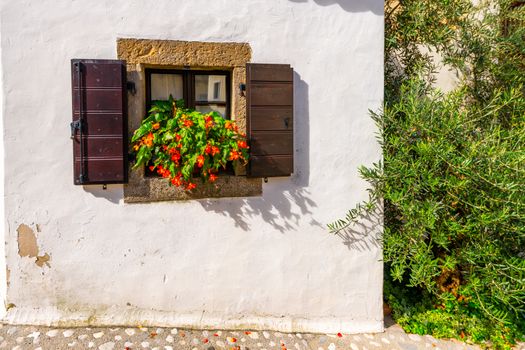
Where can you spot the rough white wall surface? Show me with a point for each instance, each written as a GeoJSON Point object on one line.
{"type": "Point", "coordinates": [264, 262]}
{"type": "Point", "coordinates": [3, 271]}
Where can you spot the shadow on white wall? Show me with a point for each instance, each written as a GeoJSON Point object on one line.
{"type": "Point", "coordinates": [365, 234]}
{"type": "Point", "coordinates": [374, 6]}
{"type": "Point", "coordinates": [288, 200]}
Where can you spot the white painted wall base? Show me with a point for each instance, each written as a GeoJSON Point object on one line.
{"type": "Point", "coordinates": [116, 316]}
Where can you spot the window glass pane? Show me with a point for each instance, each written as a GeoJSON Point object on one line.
{"type": "Point", "coordinates": [210, 88]}
{"type": "Point", "coordinates": [164, 85]}
{"type": "Point", "coordinates": [212, 107]}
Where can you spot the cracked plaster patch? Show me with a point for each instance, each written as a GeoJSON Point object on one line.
{"type": "Point", "coordinates": [44, 259]}
{"type": "Point", "coordinates": [26, 241]}
{"type": "Point", "coordinates": [28, 247]}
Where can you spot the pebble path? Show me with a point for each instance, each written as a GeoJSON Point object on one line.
{"type": "Point", "coordinates": [45, 338]}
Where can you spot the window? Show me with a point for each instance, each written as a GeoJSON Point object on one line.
{"type": "Point", "coordinates": [261, 104]}
{"type": "Point", "coordinates": [204, 91]}
{"type": "Point", "coordinates": [217, 70]}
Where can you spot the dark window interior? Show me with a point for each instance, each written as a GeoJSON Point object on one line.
{"type": "Point", "coordinates": [201, 90]}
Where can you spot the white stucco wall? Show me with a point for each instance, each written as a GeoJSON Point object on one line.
{"type": "Point", "coordinates": [264, 262]}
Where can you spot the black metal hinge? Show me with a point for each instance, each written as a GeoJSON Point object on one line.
{"type": "Point", "coordinates": [75, 125]}
{"type": "Point", "coordinates": [130, 86]}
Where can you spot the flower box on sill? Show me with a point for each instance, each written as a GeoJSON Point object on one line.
{"type": "Point", "coordinates": [179, 143]}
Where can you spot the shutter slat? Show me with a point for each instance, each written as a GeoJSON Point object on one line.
{"type": "Point", "coordinates": [269, 91]}
{"type": "Point", "coordinates": [100, 74]}
{"type": "Point", "coordinates": [271, 143]}
{"type": "Point", "coordinates": [105, 123]}
{"type": "Point", "coordinates": [271, 94]}
{"type": "Point", "coordinates": [269, 166]}
{"type": "Point", "coordinates": [108, 146]}
{"type": "Point", "coordinates": [99, 102]}
{"type": "Point", "coordinates": [102, 169]}
{"type": "Point", "coordinates": [271, 72]}
{"type": "Point", "coordinates": [272, 118]}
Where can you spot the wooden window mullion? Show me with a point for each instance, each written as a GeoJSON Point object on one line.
{"type": "Point", "coordinates": [191, 86]}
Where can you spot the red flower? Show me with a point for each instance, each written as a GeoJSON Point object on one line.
{"type": "Point", "coordinates": [209, 121]}
{"type": "Point", "coordinates": [213, 177]}
{"type": "Point", "coordinates": [231, 340]}
{"type": "Point", "coordinates": [151, 167]}
{"type": "Point", "coordinates": [187, 123]}
{"type": "Point", "coordinates": [242, 144]}
{"type": "Point", "coordinates": [178, 137]}
{"type": "Point", "coordinates": [176, 181]}
{"type": "Point", "coordinates": [156, 126]}
{"type": "Point", "coordinates": [148, 140]}
{"type": "Point", "coordinates": [234, 155]}
{"type": "Point", "coordinates": [175, 154]}
{"type": "Point", "coordinates": [228, 125]}
{"type": "Point", "coordinates": [214, 150]}
{"type": "Point", "coordinates": [163, 172]}
{"type": "Point", "coordinates": [191, 186]}
{"type": "Point", "coordinates": [208, 149]}
{"type": "Point", "coordinates": [339, 335]}
{"type": "Point", "coordinates": [200, 161]}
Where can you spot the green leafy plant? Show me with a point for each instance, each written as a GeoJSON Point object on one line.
{"type": "Point", "coordinates": [452, 178]}
{"type": "Point", "coordinates": [178, 143]}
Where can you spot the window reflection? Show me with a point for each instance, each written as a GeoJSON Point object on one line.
{"type": "Point", "coordinates": [210, 108]}
{"type": "Point", "coordinates": [164, 85]}
{"type": "Point", "coordinates": [210, 88]}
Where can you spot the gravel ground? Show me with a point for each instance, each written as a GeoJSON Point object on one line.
{"type": "Point", "coordinates": [46, 338]}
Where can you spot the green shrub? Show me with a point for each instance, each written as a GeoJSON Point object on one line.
{"type": "Point", "coordinates": [453, 185]}
{"type": "Point", "coordinates": [452, 178]}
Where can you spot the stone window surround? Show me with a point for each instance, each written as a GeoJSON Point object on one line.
{"type": "Point", "coordinates": [144, 53]}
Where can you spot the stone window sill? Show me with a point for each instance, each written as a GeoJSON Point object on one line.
{"type": "Point", "coordinates": [143, 189]}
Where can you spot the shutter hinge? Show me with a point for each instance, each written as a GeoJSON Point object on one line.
{"type": "Point", "coordinates": [242, 89]}
{"type": "Point", "coordinates": [74, 125]}
{"type": "Point", "coordinates": [78, 67]}
{"type": "Point", "coordinates": [130, 86]}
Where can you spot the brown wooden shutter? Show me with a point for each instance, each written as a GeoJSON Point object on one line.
{"type": "Point", "coordinates": [99, 127]}
{"type": "Point", "coordinates": [269, 103]}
